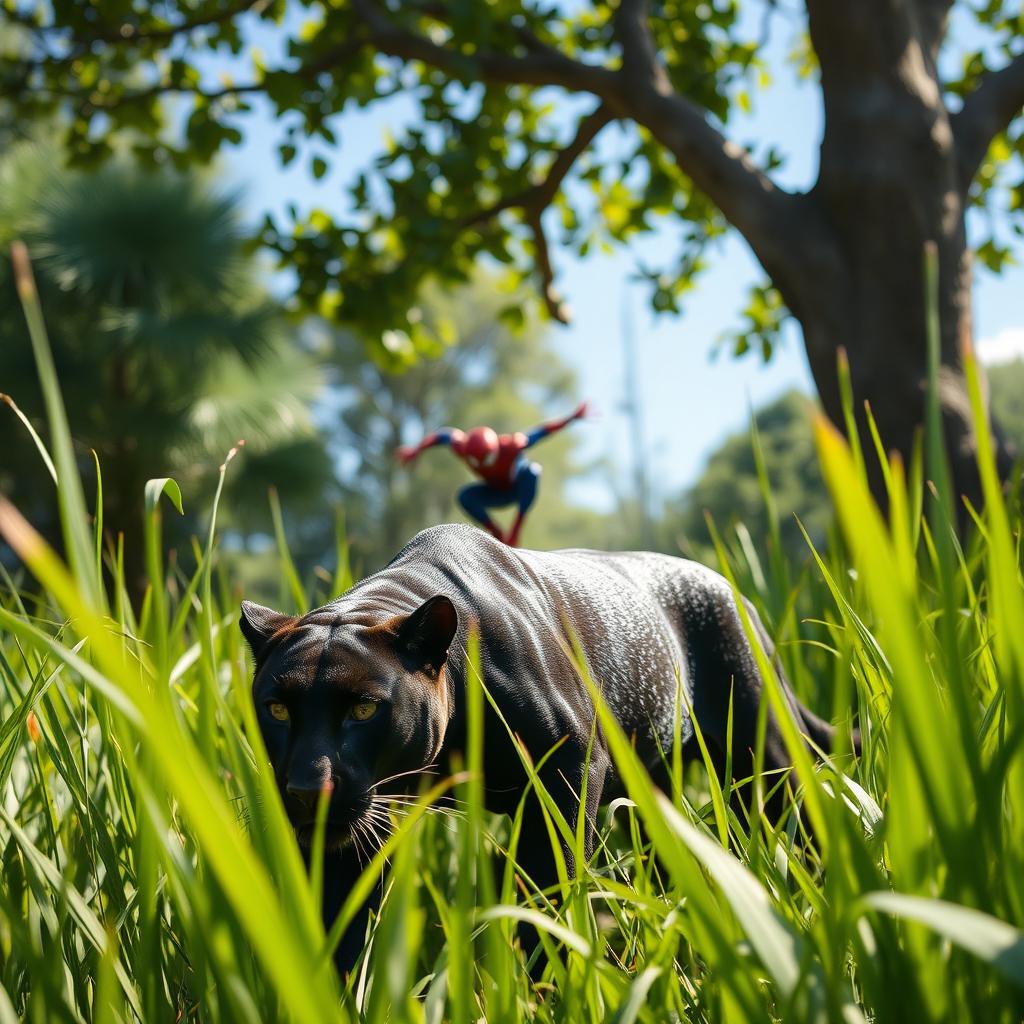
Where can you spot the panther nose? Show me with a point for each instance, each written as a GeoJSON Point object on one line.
{"type": "Point", "coordinates": [308, 797]}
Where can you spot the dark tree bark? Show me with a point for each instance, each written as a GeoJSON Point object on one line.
{"type": "Point", "coordinates": [891, 179]}
{"type": "Point", "coordinates": [847, 256]}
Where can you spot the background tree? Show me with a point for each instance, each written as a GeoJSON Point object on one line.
{"type": "Point", "coordinates": [481, 375]}
{"type": "Point", "coordinates": [905, 152]}
{"type": "Point", "coordinates": [1006, 387]}
{"type": "Point", "coordinates": [728, 486]}
{"type": "Point", "coordinates": [168, 351]}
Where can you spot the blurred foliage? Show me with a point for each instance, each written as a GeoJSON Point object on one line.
{"type": "Point", "coordinates": [763, 317]}
{"type": "Point", "coordinates": [483, 377]}
{"type": "Point", "coordinates": [1006, 394]}
{"type": "Point", "coordinates": [168, 349]}
{"type": "Point", "coordinates": [448, 185]}
{"type": "Point", "coordinates": [729, 490]}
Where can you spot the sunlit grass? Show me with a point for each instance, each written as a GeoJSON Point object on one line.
{"type": "Point", "coordinates": [149, 873]}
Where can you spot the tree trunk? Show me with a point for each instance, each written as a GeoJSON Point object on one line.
{"type": "Point", "coordinates": [889, 182]}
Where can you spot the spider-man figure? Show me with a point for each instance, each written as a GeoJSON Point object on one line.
{"type": "Point", "coordinates": [508, 476]}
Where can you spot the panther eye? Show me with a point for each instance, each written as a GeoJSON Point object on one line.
{"type": "Point", "coordinates": [278, 710]}
{"type": "Point", "coordinates": [363, 710]}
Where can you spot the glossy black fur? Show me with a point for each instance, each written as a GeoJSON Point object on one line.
{"type": "Point", "coordinates": [643, 621]}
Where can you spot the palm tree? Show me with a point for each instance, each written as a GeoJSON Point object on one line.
{"type": "Point", "coordinates": [168, 350]}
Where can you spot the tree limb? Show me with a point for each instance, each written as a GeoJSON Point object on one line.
{"type": "Point", "coordinates": [552, 301]}
{"type": "Point", "coordinates": [536, 199]}
{"type": "Point", "coordinates": [860, 43]}
{"type": "Point", "coordinates": [996, 100]}
{"type": "Point", "coordinates": [543, 65]}
{"type": "Point", "coordinates": [640, 62]}
{"type": "Point", "coordinates": [933, 18]}
{"type": "Point", "coordinates": [747, 197]}
{"type": "Point", "coordinates": [539, 196]}
{"type": "Point", "coordinates": [642, 92]}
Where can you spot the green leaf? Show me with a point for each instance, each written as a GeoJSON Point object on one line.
{"type": "Point", "coordinates": [775, 942]}
{"type": "Point", "coordinates": [89, 924]}
{"type": "Point", "coordinates": [40, 447]}
{"type": "Point", "coordinates": [159, 486]}
{"type": "Point", "coordinates": [997, 943]}
{"type": "Point", "coordinates": [73, 512]}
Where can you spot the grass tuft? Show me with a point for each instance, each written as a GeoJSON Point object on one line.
{"type": "Point", "coordinates": [150, 874]}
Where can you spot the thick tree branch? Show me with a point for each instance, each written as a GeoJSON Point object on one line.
{"type": "Point", "coordinates": [640, 63]}
{"type": "Point", "coordinates": [641, 91]}
{"type": "Point", "coordinates": [552, 300]}
{"type": "Point", "coordinates": [543, 65]}
{"type": "Point", "coordinates": [747, 197]}
{"type": "Point", "coordinates": [536, 199]}
{"type": "Point", "coordinates": [996, 101]}
{"type": "Point", "coordinates": [539, 196]}
{"type": "Point", "coordinates": [870, 36]}
{"type": "Point", "coordinates": [933, 18]}
{"type": "Point", "coordinates": [876, 44]}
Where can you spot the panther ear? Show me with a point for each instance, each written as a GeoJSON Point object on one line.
{"type": "Point", "coordinates": [259, 624]}
{"type": "Point", "coordinates": [424, 637]}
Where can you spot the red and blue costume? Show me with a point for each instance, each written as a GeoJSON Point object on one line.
{"type": "Point", "coordinates": [508, 477]}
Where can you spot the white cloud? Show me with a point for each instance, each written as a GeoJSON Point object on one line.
{"type": "Point", "coordinates": [1002, 347]}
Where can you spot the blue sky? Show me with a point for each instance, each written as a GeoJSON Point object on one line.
{"type": "Point", "coordinates": [690, 399]}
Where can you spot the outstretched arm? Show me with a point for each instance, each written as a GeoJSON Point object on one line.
{"type": "Point", "coordinates": [553, 426]}
{"type": "Point", "coordinates": [446, 435]}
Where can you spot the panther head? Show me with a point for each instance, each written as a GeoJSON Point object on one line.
{"type": "Point", "coordinates": [348, 703]}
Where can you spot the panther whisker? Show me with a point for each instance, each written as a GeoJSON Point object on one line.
{"type": "Point", "coordinates": [374, 814]}
{"type": "Point", "coordinates": [356, 844]}
{"type": "Point", "coordinates": [446, 800]}
{"type": "Point", "coordinates": [449, 817]}
{"type": "Point", "coordinates": [381, 834]}
{"type": "Point", "coordinates": [372, 838]}
{"type": "Point", "coordinates": [372, 827]}
{"type": "Point", "coordinates": [401, 805]}
{"type": "Point", "coordinates": [442, 801]}
{"type": "Point", "coordinates": [428, 769]}
{"type": "Point", "coordinates": [447, 814]}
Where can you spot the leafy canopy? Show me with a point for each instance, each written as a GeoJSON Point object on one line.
{"type": "Point", "coordinates": [507, 99]}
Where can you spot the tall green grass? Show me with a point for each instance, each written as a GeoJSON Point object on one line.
{"type": "Point", "coordinates": [148, 872]}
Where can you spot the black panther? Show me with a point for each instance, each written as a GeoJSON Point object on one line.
{"type": "Point", "coordinates": [370, 688]}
